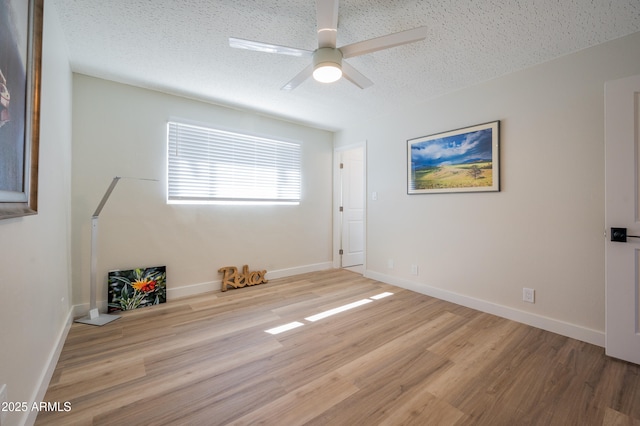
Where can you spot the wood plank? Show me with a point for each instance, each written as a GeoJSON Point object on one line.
{"type": "Point", "coordinates": [615, 418]}
{"type": "Point", "coordinates": [96, 403]}
{"type": "Point", "coordinates": [302, 404]}
{"type": "Point", "coordinates": [402, 360]}
{"type": "Point", "coordinates": [77, 381]}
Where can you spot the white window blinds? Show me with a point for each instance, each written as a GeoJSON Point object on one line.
{"type": "Point", "coordinates": [209, 165]}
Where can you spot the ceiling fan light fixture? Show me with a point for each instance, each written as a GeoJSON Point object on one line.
{"type": "Point", "coordinates": [327, 65]}
{"type": "Point", "coordinates": [327, 73]}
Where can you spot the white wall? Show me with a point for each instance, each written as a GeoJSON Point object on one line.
{"type": "Point", "coordinates": [120, 130]}
{"type": "Point", "coordinates": [35, 278]}
{"type": "Point", "coordinates": [544, 230]}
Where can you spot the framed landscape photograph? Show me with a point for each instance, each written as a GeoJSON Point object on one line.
{"type": "Point", "coordinates": [20, 63]}
{"type": "Point", "coordinates": [462, 160]}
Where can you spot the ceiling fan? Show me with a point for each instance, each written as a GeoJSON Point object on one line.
{"type": "Point", "coordinates": [327, 63]}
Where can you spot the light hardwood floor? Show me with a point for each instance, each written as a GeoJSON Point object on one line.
{"type": "Point", "coordinates": [407, 359]}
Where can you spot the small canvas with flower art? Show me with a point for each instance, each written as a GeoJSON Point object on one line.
{"type": "Point", "coordinates": [137, 288]}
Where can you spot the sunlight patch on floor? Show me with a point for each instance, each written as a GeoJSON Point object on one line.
{"type": "Point", "coordinates": [328, 313]}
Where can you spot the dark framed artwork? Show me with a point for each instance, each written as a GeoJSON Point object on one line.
{"type": "Point", "coordinates": [462, 160]}
{"type": "Point", "coordinates": [136, 288]}
{"type": "Point", "coordinates": [20, 69]}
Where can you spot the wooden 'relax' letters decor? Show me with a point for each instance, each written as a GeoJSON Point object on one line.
{"type": "Point", "coordinates": [234, 279]}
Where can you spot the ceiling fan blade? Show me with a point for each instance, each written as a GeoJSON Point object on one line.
{"type": "Point", "coordinates": [384, 42]}
{"type": "Point", "coordinates": [259, 46]}
{"type": "Point", "coordinates": [298, 79]}
{"type": "Point", "coordinates": [354, 76]}
{"type": "Point", "coordinates": [327, 18]}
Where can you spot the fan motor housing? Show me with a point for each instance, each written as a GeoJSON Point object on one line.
{"type": "Point", "coordinates": [327, 56]}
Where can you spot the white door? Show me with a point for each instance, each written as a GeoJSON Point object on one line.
{"type": "Point", "coordinates": [352, 211]}
{"type": "Point", "coordinates": [622, 210]}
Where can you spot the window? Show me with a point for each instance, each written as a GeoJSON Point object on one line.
{"type": "Point", "coordinates": [213, 166]}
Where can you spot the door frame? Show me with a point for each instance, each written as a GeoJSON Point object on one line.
{"type": "Point", "coordinates": [337, 191]}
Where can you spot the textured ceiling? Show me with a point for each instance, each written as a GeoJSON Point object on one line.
{"type": "Point", "coordinates": [181, 47]}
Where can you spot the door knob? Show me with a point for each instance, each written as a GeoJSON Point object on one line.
{"type": "Point", "coordinates": [620, 235]}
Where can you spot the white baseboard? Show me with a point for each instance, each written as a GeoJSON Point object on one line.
{"type": "Point", "coordinates": [82, 310]}
{"type": "Point", "coordinates": [206, 287]}
{"type": "Point", "coordinates": [209, 286]}
{"type": "Point", "coordinates": [193, 289]}
{"type": "Point", "coordinates": [29, 417]}
{"type": "Point", "coordinates": [545, 323]}
{"type": "Point", "coordinates": [289, 272]}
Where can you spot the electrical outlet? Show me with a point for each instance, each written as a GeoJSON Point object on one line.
{"type": "Point", "coordinates": [414, 269]}
{"type": "Point", "coordinates": [528, 295]}
{"type": "Point", "coordinates": [390, 263]}
{"type": "Point", "coordinates": [3, 403]}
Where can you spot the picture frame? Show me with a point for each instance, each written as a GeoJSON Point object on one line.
{"type": "Point", "coordinates": [136, 288]}
{"type": "Point", "coordinates": [20, 76]}
{"type": "Point", "coordinates": [461, 160]}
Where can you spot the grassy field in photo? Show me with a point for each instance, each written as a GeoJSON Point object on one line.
{"type": "Point", "coordinates": [455, 176]}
